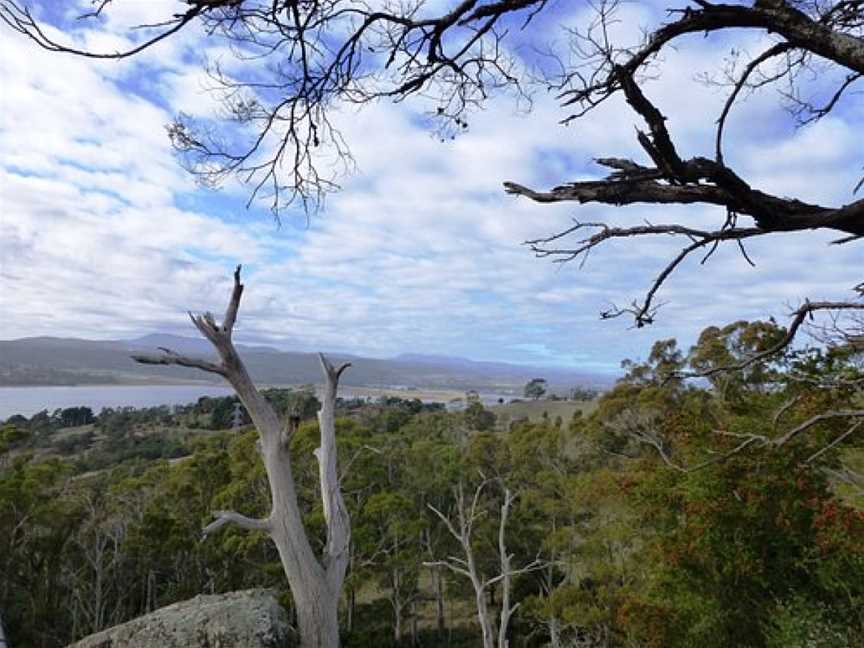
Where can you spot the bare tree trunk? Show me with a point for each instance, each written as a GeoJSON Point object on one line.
{"type": "Point", "coordinates": [315, 584]}
{"type": "Point", "coordinates": [351, 595]}
{"type": "Point", "coordinates": [317, 615]}
{"type": "Point", "coordinates": [150, 600]}
{"type": "Point", "coordinates": [507, 610]}
{"type": "Point", "coordinates": [462, 529]}
{"type": "Point", "coordinates": [4, 643]}
{"type": "Point", "coordinates": [438, 579]}
{"type": "Point", "coordinates": [439, 601]}
{"type": "Point", "coordinates": [99, 543]}
{"type": "Point", "coordinates": [486, 627]}
{"type": "Point", "coordinates": [397, 604]}
{"type": "Point", "coordinates": [554, 626]}
{"type": "Point", "coordinates": [397, 626]}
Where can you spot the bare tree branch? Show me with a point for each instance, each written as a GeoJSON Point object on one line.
{"type": "Point", "coordinates": [170, 357]}
{"type": "Point", "coordinates": [230, 517]}
{"type": "Point", "coordinates": [776, 50]}
{"type": "Point", "coordinates": [815, 420]}
{"type": "Point", "coordinates": [336, 551]}
{"type": "Point", "coordinates": [852, 430]}
{"type": "Point", "coordinates": [462, 531]}
{"type": "Point", "coordinates": [315, 583]}
{"type": "Point", "coordinates": [19, 18]}
{"type": "Point", "coordinates": [799, 316]}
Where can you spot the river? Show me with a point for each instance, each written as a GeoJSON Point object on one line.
{"type": "Point", "coordinates": [29, 400]}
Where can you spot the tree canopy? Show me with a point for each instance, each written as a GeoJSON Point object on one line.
{"type": "Point", "coordinates": [641, 520]}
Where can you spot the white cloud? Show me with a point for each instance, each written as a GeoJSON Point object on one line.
{"type": "Point", "coordinates": [420, 252]}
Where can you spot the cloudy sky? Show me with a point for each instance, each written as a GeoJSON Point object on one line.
{"type": "Point", "coordinates": [103, 235]}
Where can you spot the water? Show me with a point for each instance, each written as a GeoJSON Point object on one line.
{"type": "Point", "coordinates": [29, 400]}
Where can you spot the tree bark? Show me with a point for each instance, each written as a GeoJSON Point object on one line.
{"type": "Point", "coordinates": [350, 601]}
{"type": "Point", "coordinates": [486, 627]}
{"type": "Point", "coordinates": [554, 632]}
{"type": "Point", "coordinates": [3, 642]}
{"type": "Point", "coordinates": [316, 584]}
{"type": "Point", "coordinates": [397, 604]}
{"type": "Point", "coordinates": [414, 622]}
{"type": "Point", "coordinates": [506, 572]}
{"type": "Point", "coordinates": [439, 601]}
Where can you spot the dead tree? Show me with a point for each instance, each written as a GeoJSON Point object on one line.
{"type": "Point", "coordinates": [315, 582]}
{"type": "Point", "coordinates": [462, 530]}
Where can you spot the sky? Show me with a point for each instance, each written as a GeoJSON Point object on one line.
{"type": "Point", "coordinates": [103, 235]}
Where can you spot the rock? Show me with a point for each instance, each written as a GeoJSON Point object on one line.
{"type": "Point", "coordinates": [246, 619]}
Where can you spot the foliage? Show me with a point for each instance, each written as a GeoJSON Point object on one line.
{"type": "Point", "coordinates": [535, 388]}
{"type": "Point", "coordinates": [652, 526]}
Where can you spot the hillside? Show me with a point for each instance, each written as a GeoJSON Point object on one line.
{"type": "Point", "coordinates": [71, 361]}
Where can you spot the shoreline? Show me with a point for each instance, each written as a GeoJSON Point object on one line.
{"type": "Point", "coordinates": [115, 384]}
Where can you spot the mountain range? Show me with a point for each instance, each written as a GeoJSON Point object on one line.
{"type": "Point", "coordinates": [72, 361]}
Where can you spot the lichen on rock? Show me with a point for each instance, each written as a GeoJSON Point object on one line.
{"type": "Point", "coordinates": [245, 619]}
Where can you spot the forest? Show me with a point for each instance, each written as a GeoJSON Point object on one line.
{"type": "Point", "coordinates": [726, 511]}
{"type": "Point", "coordinates": [713, 497]}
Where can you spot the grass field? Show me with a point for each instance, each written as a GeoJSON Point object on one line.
{"type": "Point", "coordinates": [426, 395]}
{"type": "Point", "coordinates": [533, 410]}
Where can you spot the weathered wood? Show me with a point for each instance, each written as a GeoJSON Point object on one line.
{"type": "Point", "coordinates": [462, 530]}
{"type": "Point", "coordinates": [315, 582]}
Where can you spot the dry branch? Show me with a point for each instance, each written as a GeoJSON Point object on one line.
{"type": "Point", "coordinates": [230, 517]}
{"type": "Point", "coordinates": [315, 582]}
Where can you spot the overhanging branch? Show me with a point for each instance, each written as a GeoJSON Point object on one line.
{"type": "Point", "coordinates": [800, 315]}
{"type": "Point", "coordinates": [644, 312]}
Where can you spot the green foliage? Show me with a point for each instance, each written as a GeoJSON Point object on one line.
{"type": "Point", "coordinates": [74, 416]}
{"type": "Point", "coordinates": [535, 388]}
{"type": "Point", "coordinates": [802, 623]}
{"type": "Point", "coordinates": [653, 530]}
{"type": "Point", "coordinates": [722, 347]}
{"type": "Point", "coordinates": [734, 539]}
{"type": "Point", "coordinates": [11, 436]}
{"type": "Point", "coordinates": [35, 523]}
{"type": "Point", "coordinates": [479, 418]}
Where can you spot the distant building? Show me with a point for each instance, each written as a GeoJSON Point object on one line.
{"type": "Point", "coordinates": [456, 405]}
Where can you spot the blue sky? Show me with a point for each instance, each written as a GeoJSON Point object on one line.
{"type": "Point", "coordinates": [103, 235]}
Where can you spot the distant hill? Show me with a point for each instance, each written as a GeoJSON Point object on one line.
{"type": "Point", "coordinates": [185, 344]}
{"type": "Point", "coordinates": [69, 361]}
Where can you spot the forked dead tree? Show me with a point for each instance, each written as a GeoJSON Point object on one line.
{"type": "Point", "coordinates": [315, 581]}
{"type": "Point", "coordinates": [462, 530]}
